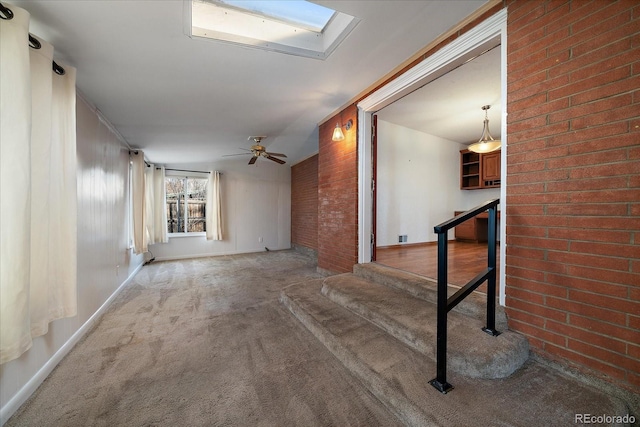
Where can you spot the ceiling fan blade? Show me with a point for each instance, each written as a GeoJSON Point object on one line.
{"type": "Point", "coordinates": [275, 159]}
{"type": "Point", "coordinates": [253, 160]}
{"type": "Point", "coordinates": [277, 154]}
{"type": "Point", "coordinates": [240, 154]}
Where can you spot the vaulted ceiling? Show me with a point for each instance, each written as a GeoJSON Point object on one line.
{"type": "Point", "coordinates": [185, 100]}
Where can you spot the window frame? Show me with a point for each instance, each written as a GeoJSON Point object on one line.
{"type": "Point", "coordinates": [186, 177]}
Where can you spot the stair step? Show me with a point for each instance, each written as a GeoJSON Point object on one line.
{"type": "Point", "coordinates": [475, 305]}
{"type": "Point", "coordinates": [470, 351]}
{"type": "Point", "coordinates": [398, 375]}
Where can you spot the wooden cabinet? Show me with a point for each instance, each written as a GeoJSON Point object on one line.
{"type": "Point", "coordinates": [475, 229]}
{"type": "Point", "coordinates": [479, 170]}
{"type": "Point", "coordinates": [469, 170]}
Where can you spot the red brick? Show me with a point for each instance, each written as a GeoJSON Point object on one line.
{"type": "Point", "coordinates": [612, 89]}
{"type": "Point", "coordinates": [588, 209]}
{"type": "Point", "coordinates": [598, 300]}
{"type": "Point", "coordinates": [585, 284]}
{"type": "Point", "coordinates": [585, 110]}
{"type": "Point", "coordinates": [516, 230]}
{"type": "Point", "coordinates": [604, 223]}
{"type": "Point", "coordinates": [608, 143]}
{"type": "Point", "coordinates": [610, 116]}
{"type": "Point", "coordinates": [536, 155]}
{"type": "Point", "coordinates": [525, 295]}
{"type": "Point", "coordinates": [525, 210]}
{"type": "Point", "coordinates": [585, 184]}
{"type": "Point", "coordinates": [611, 250]}
{"type": "Point", "coordinates": [584, 360]}
{"type": "Point", "coordinates": [594, 261]}
{"type": "Point", "coordinates": [538, 243]}
{"type": "Point", "coordinates": [539, 287]}
{"type": "Point", "coordinates": [304, 203]}
{"type": "Point", "coordinates": [575, 86]}
{"type": "Point", "coordinates": [610, 329]}
{"type": "Point", "coordinates": [536, 309]}
{"type": "Point", "coordinates": [587, 336]}
{"type": "Point", "coordinates": [531, 199]}
{"type": "Point", "coordinates": [604, 196]}
{"type": "Point", "coordinates": [606, 356]}
{"type": "Point", "coordinates": [586, 310]}
{"type": "Point", "coordinates": [590, 235]}
{"type": "Point", "coordinates": [601, 170]}
{"type": "Point", "coordinates": [527, 253]}
{"type": "Point", "coordinates": [603, 17]}
{"type": "Point", "coordinates": [533, 331]}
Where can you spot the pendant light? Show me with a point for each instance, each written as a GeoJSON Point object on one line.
{"type": "Point", "coordinates": [486, 144]}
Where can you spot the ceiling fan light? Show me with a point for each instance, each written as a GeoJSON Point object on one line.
{"type": "Point", "coordinates": [337, 133]}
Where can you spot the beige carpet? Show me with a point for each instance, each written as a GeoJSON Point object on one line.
{"type": "Point", "coordinates": [204, 342]}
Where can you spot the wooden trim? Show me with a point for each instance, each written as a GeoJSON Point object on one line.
{"type": "Point", "coordinates": [488, 6]}
{"type": "Point", "coordinates": [409, 245]}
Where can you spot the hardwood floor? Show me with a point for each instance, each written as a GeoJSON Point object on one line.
{"type": "Point", "coordinates": [465, 260]}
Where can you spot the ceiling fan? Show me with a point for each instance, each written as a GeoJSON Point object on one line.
{"type": "Point", "coordinates": [258, 150]}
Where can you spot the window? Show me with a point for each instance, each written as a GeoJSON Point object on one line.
{"type": "Point", "coordinates": [186, 204]}
{"type": "Point", "coordinates": [294, 27]}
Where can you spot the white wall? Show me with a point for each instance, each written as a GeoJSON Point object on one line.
{"type": "Point", "coordinates": [104, 261]}
{"type": "Point", "coordinates": [256, 203]}
{"type": "Point", "coordinates": [418, 184]}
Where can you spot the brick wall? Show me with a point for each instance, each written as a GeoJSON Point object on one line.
{"type": "Point", "coordinates": [304, 203]}
{"type": "Point", "coordinates": [573, 188]}
{"type": "Point", "coordinates": [338, 195]}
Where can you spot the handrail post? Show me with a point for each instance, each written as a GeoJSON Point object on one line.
{"type": "Point", "coordinates": [440, 382]}
{"type": "Point", "coordinates": [491, 280]}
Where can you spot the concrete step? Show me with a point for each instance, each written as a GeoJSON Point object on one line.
{"type": "Point", "coordinates": [475, 305]}
{"type": "Point", "coordinates": [398, 375]}
{"type": "Point", "coordinates": [470, 351]}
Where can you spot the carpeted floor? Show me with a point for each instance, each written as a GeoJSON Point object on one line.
{"type": "Point", "coordinates": [204, 342]}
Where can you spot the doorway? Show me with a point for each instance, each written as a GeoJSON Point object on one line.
{"type": "Point", "coordinates": [414, 150]}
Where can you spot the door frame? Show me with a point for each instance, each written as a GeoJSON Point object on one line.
{"type": "Point", "coordinates": [486, 35]}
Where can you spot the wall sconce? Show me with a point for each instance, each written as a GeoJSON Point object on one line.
{"type": "Point", "coordinates": [337, 132]}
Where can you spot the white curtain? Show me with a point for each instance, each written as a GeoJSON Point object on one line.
{"type": "Point", "coordinates": [138, 200]}
{"type": "Point", "coordinates": [149, 194]}
{"type": "Point", "coordinates": [160, 206]}
{"type": "Point", "coordinates": [155, 205]}
{"type": "Point", "coordinates": [214, 208]}
{"type": "Point", "coordinates": [38, 194]}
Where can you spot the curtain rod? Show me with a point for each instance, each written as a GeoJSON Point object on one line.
{"type": "Point", "coordinates": [183, 170]}
{"type": "Point", "coordinates": [7, 15]}
{"type": "Point", "coordinates": [169, 169]}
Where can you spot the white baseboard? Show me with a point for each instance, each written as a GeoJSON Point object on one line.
{"type": "Point", "coordinates": [32, 385]}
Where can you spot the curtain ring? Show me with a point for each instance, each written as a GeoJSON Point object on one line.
{"type": "Point", "coordinates": [5, 12]}
{"type": "Point", "coordinates": [34, 42]}
{"type": "Point", "coordinates": [58, 69]}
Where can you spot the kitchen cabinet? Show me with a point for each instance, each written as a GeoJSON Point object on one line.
{"type": "Point", "coordinates": [479, 170]}
{"type": "Point", "coordinates": [474, 229]}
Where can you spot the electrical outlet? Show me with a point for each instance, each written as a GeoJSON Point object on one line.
{"type": "Point", "coordinates": [402, 238]}
{"type": "Point", "coordinates": [259, 239]}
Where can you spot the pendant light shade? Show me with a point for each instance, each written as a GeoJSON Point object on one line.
{"type": "Point", "coordinates": [486, 144]}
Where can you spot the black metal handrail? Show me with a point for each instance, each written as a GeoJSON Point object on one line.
{"type": "Point", "coordinates": [447, 304]}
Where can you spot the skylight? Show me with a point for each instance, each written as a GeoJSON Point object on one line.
{"type": "Point", "coordinates": [299, 13]}
{"type": "Point", "coordinates": [291, 26]}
